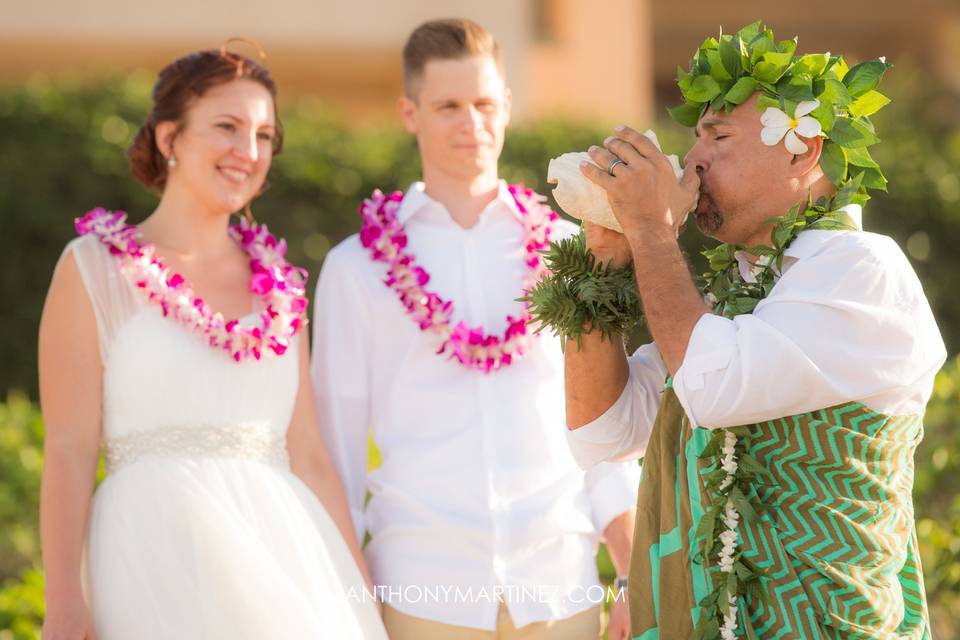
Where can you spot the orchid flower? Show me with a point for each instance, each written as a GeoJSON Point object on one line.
{"type": "Point", "coordinates": [384, 237]}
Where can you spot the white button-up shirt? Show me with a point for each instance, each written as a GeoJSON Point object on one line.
{"type": "Point", "coordinates": [847, 321]}
{"type": "Point", "coordinates": [478, 489]}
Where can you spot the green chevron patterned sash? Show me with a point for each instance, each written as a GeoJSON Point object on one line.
{"type": "Point", "coordinates": [837, 540]}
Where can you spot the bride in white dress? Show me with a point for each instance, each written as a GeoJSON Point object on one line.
{"type": "Point", "coordinates": [221, 515]}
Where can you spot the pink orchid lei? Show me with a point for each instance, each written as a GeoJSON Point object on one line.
{"type": "Point", "coordinates": [280, 285]}
{"type": "Point", "coordinates": [385, 238]}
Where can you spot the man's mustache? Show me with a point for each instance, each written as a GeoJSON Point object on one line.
{"type": "Point", "coordinates": [705, 191]}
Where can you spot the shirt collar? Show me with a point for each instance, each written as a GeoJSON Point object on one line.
{"type": "Point", "coordinates": [804, 245]}
{"type": "Point", "coordinates": [416, 199]}
{"type": "Point", "coordinates": [809, 241]}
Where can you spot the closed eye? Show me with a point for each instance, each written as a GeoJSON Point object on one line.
{"type": "Point", "coordinates": [227, 126]}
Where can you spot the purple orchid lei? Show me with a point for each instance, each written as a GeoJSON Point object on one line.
{"type": "Point", "coordinates": [386, 240]}
{"type": "Point", "coordinates": [280, 285]}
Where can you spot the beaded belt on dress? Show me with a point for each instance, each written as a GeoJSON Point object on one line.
{"type": "Point", "coordinates": [250, 442]}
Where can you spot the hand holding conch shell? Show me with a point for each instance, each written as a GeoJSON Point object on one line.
{"type": "Point", "coordinates": [583, 199]}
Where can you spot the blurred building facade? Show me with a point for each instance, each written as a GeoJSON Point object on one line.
{"type": "Point", "coordinates": [574, 58]}
{"type": "Point", "coordinates": [606, 59]}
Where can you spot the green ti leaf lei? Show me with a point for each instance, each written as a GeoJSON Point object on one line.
{"type": "Point", "coordinates": [577, 297]}
{"type": "Point", "coordinates": [725, 287]}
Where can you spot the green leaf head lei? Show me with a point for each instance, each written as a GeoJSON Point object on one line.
{"type": "Point", "coordinates": [726, 71]}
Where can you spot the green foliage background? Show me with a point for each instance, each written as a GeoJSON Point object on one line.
{"type": "Point", "coordinates": [62, 153]}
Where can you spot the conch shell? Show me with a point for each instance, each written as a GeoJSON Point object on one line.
{"type": "Point", "coordinates": [581, 198]}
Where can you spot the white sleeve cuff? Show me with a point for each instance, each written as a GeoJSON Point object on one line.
{"type": "Point", "coordinates": [602, 439]}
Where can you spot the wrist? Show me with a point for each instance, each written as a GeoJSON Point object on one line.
{"type": "Point", "coordinates": [55, 595]}
{"type": "Point", "coordinates": [647, 230]}
{"type": "Point", "coordinates": [615, 260]}
{"type": "Point", "coordinates": [621, 584]}
{"type": "Point", "coordinates": [651, 242]}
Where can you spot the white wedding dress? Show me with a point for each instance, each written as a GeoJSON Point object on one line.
{"type": "Point", "coordinates": [200, 530]}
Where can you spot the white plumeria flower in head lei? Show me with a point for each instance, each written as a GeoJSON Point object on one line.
{"type": "Point", "coordinates": [778, 126]}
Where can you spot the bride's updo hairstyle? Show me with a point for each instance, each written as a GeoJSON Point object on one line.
{"type": "Point", "coordinates": [178, 85]}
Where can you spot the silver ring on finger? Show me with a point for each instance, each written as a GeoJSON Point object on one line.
{"type": "Point", "coordinates": [613, 165]}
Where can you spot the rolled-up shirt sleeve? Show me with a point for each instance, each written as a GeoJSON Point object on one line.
{"type": "Point", "coordinates": [848, 323]}
{"type": "Point", "coordinates": [621, 433]}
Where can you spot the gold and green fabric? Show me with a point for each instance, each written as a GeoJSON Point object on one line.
{"type": "Point", "coordinates": [837, 538]}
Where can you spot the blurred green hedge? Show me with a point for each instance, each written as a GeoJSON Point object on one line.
{"type": "Point", "coordinates": [62, 153]}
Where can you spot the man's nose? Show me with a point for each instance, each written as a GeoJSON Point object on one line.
{"type": "Point", "coordinates": [474, 119]}
{"type": "Point", "coordinates": [696, 157]}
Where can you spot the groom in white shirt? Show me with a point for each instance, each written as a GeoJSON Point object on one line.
{"type": "Point", "coordinates": [481, 524]}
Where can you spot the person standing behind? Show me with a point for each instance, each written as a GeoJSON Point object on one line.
{"type": "Point", "coordinates": [481, 523]}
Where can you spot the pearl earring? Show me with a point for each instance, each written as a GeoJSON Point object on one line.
{"type": "Point", "coordinates": [171, 161]}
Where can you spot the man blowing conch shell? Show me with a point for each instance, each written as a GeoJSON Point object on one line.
{"type": "Point", "coordinates": [779, 407]}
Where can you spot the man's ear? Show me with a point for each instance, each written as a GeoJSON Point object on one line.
{"type": "Point", "coordinates": [407, 109]}
{"type": "Point", "coordinates": [164, 134]}
{"type": "Point", "coordinates": [803, 163]}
